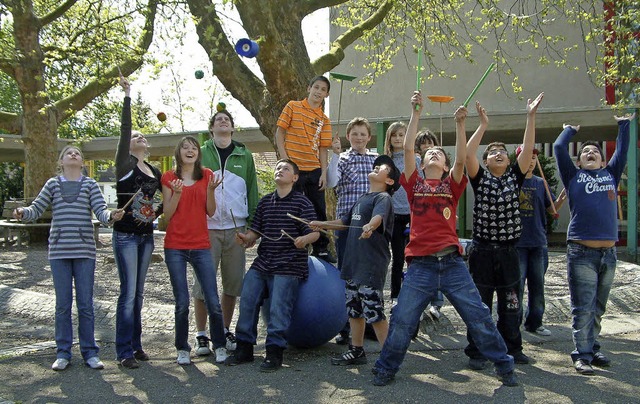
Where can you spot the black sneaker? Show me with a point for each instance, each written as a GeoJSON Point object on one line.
{"type": "Point", "coordinates": [382, 379]}
{"type": "Point", "coordinates": [202, 341]}
{"type": "Point", "coordinates": [129, 363]}
{"type": "Point", "coordinates": [141, 355]}
{"type": "Point", "coordinates": [477, 363]}
{"type": "Point", "coordinates": [509, 379]}
{"type": "Point", "coordinates": [583, 367]}
{"type": "Point", "coordinates": [273, 359]}
{"type": "Point", "coordinates": [600, 360]}
{"type": "Point", "coordinates": [231, 341]}
{"type": "Point", "coordinates": [354, 356]}
{"type": "Point", "coordinates": [521, 358]}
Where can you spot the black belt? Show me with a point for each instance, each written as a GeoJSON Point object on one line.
{"type": "Point", "coordinates": [493, 245]}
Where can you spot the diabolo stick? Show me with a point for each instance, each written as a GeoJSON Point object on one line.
{"type": "Point", "coordinates": [546, 188]}
{"type": "Point", "coordinates": [484, 76]}
{"type": "Point", "coordinates": [418, 72]}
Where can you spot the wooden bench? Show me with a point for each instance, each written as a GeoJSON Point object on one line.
{"type": "Point", "coordinates": [17, 232]}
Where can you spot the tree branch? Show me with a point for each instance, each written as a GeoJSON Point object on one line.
{"type": "Point", "coordinates": [10, 122]}
{"type": "Point", "coordinates": [70, 105]}
{"type": "Point", "coordinates": [307, 7]}
{"type": "Point", "coordinates": [236, 77]}
{"type": "Point", "coordinates": [57, 13]}
{"type": "Point", "coordinates": [335, 55]}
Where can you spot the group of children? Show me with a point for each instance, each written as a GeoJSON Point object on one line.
{"type": "Point", "coordinates": [213, 214]}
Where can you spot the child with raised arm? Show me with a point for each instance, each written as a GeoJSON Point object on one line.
{"type": "Point", "coordinates": [303, 135]}
{"type": "Point", "coordinates": [434, 255]}
{"type": "Point", "coordinates": [369, 225]}
{"type": "Point", "coordinates": [275, 274]}
{"type": "Point", "coordinates": [72, 251]}
{"type": "Point", "coordinates": [591, 236]}
{"type": "Point", "coordinates": [493, 260]}
{"type": "Point", "coordinates": [189, 197]}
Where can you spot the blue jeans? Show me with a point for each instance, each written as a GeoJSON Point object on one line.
{"type": "Point", "coordinates": [424, 277]}
{"type": "Point", "coordinates": [533, 266]}
{"type": "Point", "coordinates": [65, 273]}
{"type": "Point", "coordinates": [202, 264]}
{"type": "Point", "coordinates": [133, 254]}
{"type": "Point", "coordinates": [282, 292]}
{"type": "Point", "coordinates": [590, 272]}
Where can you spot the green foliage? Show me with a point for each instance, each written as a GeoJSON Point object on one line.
{"type": "Point", "coordinates": [9, 96]}
{"type": "Point", "coordinates": [11, 182]}
{"type": "Point", "coordinates": [513, 32]}
{"type": "Point", "coordinates": [266, 183]}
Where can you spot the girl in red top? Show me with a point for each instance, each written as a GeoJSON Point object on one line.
{"type": "Point", "coordinates": [188, 194]}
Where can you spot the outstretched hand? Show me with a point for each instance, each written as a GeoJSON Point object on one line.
{"type": "Point", "coordinates": [244, 240]}
{"type": "Point", "coordinates": [532, 106]}
{"type": "Point", "coordinates": [17, 213]}
{"type": "Point", "coordinates": [461, 114]}
{"type": "Point", "coordinates": [214, 181]}
{"type": "Point", "coordinates": [482, 114]}
{"type": "Point", "coordinates": [416, 101]}
{"type": "Point", "coordinates": [124, 83]}
{"type": "Point", "coordinates": [574, 127]}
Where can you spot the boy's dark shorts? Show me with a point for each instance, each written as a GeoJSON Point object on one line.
{"type": "Point", "coordinates": [364, 302]}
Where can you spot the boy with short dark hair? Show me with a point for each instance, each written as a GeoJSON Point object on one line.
{"type": "Point", "coordinates": [369, 225]}
{"type": "Point", "coordinates": [303, 135]}
{"type": "Point", "coordinates": [493, 260]}
{"type": "Point", "coordinates": [591, 236]}
{"type": "Point", "coordinates": [277, 270]}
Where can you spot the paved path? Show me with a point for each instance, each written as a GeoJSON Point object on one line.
{"type": "Point", "coordinates": [434, 369]}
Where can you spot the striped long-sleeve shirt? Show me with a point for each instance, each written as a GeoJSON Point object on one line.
{"type": "Point", "coordinates": [277, 255]}
{"type": "Point", "coordinates": [71, 234]}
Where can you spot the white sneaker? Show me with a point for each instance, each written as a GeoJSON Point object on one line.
{"type": "Point", "coordinates": [184, 358]}
{"type": "Point", "coordinates": [202, 343]}
{"type": "Point", "coordinates": [221, 354]}
{"type": "Point", "coordinates": [545, 332]}
{"type": "Point", "coordinates": [95, 363]}
{"type": "Point", "coordinates": [231, 341]}
{"type": "Point", "coordinates": [60, 364]}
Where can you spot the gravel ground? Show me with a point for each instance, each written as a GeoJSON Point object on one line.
{"type": "Point", "coordinates": [28, 269]}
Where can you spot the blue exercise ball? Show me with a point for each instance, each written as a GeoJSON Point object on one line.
{"type": "Point", "coordinates": [320, 311]}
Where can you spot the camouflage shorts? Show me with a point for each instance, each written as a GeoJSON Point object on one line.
{"type": "Point", "coordinates": [364, 302]}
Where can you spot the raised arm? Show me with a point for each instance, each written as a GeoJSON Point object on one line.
{"type": "Point", "coordinates": [560, 150]}
{"type": "Point", "coordinates": [457, 170]}
{"type": "Point", "coordinates": [619, 158]}
{"type": "Point", "coordinates": [122, 152]}
{"type": "Point", "coordinates": [471, 161]}
{"type": "Point", "coordinates": [410, 136]}
{"type": "Point", "coordinates": [524, 159]}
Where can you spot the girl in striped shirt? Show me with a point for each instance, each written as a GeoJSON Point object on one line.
{"type": "Point", "coordinates": [72, 250]}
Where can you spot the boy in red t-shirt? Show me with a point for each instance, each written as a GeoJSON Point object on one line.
{"type": "Point", "coordinates": [434, 255]}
